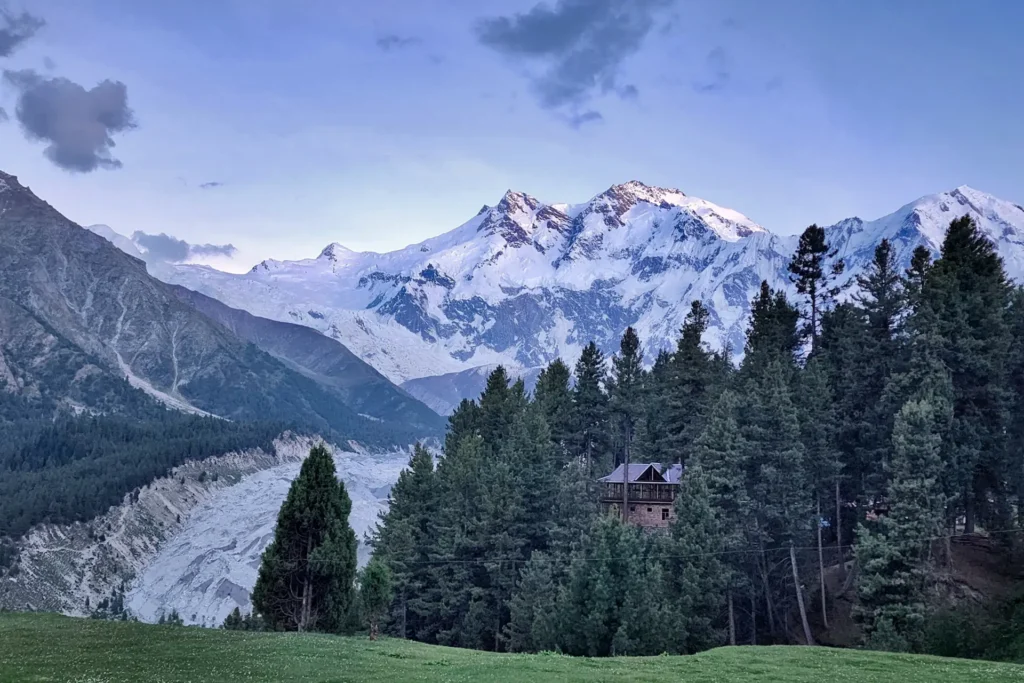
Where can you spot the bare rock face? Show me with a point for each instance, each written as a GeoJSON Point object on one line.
{"type": "Point", "coordinates": [78, 317]}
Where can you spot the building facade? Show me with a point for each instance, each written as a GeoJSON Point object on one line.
{"type": "Point", "coordinates": [652, 492]}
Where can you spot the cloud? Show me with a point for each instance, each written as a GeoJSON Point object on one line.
{"type": "Point", "coordinates": [77, 123]}
{"type": "Point", "coordinates": [580, 46]}
{"type": "Point", "coordinates": [211, 185]}
{"type": "Point", "coordinates": [168, 249]}
{"type": "Point", "coordinates": [395, 42]}
{"type": "Point", "coordinates": [579, 120]}
{"type": "Point", "coordinates": [719, 65]}
{"type": "Point", "coordinates": [16, 29]}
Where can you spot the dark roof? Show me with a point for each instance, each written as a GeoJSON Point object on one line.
{"type": "Point", "coordinates": [662, 473]}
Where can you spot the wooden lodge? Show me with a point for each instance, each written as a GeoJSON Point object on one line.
{"type": "Point", "coordinates": [650, 496]}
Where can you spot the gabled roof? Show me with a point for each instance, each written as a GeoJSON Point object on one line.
{"type": "Point", "coordinates": [669, 474]}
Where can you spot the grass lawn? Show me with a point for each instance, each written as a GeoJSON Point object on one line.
{"type": "Point", "coordinates": [55, 648]}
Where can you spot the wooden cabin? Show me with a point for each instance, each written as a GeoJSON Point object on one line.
{"type": "Point", "coordinates": [652, 492]}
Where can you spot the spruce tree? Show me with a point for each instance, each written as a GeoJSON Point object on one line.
{"type": "Point", "coordinates": [306, 577]}
{"type": "Point", "coordinates": [590, 412]}
{"type": "Point", "coordinates": [696, 574]}
{"type": "Point", "coordinates": [690, 381]}
{"type": "Point", "coordinates": [895, 556]}
{"type": "Point", "coordinates": [822, 460]}
{"type": "Point", "coordinates": [552, 397]}
{"type": "Point", "coordinates": [626, 392]}
{"type": "Point", "coordinates": [405, 539]}
{"type": "Point", "coordinates": [375, 593]}
{"type": "Point", "coordinates": [772, 332]}
{"type": "Point", "coordinates": [814, 270]}
{"type": "Point", "coordinates": [533, 611]}
{"type": "Point", "coordinates": [966, 295]}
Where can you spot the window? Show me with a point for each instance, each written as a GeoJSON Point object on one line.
{"type": "Point", "coordinates": [632, 508]}
{"type": "Point", "coordinates": [650, 509]}
{"type": "Point", "coordinates": [664, 513]}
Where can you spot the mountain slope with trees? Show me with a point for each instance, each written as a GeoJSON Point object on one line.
{"type": "Point", "coordinates": [860, 438]}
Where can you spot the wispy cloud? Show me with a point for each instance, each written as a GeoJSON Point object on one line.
{"type": "Point", "coordinates": [719, 67]}
{"type": "Point", "coordinates": [392, 42]}
{"type": "Point", "coordinates": [579, 46]}
{"type": "Point", "coordinates": [212, 185]}
{"type": "Point", "coordinates": [15, 29]}
{"type": "Point", "coordinates": [168, 249]}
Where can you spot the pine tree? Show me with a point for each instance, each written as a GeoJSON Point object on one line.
{"type": "Point", "coordinates": [690, 378]}
{"type": "Point", "coordinates": [464, 422]}
{"type": "Point", "coordinates": [814, 277]}
{"type": "Point", "coordinates": [590, 412]}
{"type": "Point", "coordinates": [822, 460]}
{"type": "Point", "coordinates": [499, 405]}
{"type": "Point", "coordinates": [405, 538]}
{"type": "Point", "coordinates": [306, 577]}
{"type": "Point", "coordinates": [626, 392]}
{"type": "Point", "coordinates": [375, 593]}
{"type": "Point", "coordinates": [894, 558]}
{"type": "Point", "coordinates": [533, 616]}
{"type": "Point", "coordinates": [553, 398]}
{"type": "Point", "coordinates": [696, 574]}
{"type": "Point", "coordinates": [967, 295]}
{"type": "Point", "coordinates": [772, 333]}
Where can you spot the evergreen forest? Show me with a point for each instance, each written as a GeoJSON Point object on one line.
{"type": "Point", "coordinates": [861, 433]}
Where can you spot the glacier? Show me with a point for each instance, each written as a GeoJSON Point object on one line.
{"type": "Point", "coordinates": [209, 566]}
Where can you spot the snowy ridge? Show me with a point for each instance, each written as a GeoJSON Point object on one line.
{"type": "Point", "coordinates": [523, 282]}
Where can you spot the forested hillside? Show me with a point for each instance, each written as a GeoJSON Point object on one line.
{"type": "Point", "coordinates": [853, 438]}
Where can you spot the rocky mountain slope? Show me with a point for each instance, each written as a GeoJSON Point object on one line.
{"type": "Point", "coordinates": [78, 316]}
{"type": "Point", "coordinates": [523, 282]}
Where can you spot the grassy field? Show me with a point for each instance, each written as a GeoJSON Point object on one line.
{"type": "Point", "coordinates": [53, 648]}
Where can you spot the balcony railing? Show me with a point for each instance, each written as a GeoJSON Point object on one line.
{"type": "Point", "coordinates": [641, 493]}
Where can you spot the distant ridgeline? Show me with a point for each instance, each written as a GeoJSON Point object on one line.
{"type": "Point", "coordinates": [884, 432]}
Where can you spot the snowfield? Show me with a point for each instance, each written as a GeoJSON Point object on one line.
{"type": "Point", "coordinates": [523, 282]}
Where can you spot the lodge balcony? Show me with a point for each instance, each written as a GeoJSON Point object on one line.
{"type": "Point", "coordinates": [640, 492]}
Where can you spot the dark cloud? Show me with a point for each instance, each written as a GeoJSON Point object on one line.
{"type": "Point", "coordinates": [49, 64]}
{"type": "Point", "coordinates": [580, 46]}
{"type": "Point", "coordinates": [395, 42]}
{"type": "Point", "coordinates": [77, 123]}
{"type": "Point", "coordinates": [720, 72]}
{"type": "Point", "coordinates": [214, 184]}
{"type": "Point", "coordinates": [168, 249]}
{"type": "Point", "coordinates": [16, 29]}
{"type": "Point", "coordinates": [579, 120]}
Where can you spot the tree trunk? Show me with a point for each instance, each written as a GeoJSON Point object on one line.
{"type": "Point", "coordinates": [732, 622]}
{"type": "Point", "coordinates": [839, 533]}
{"type": "Point", "coordinates": [753, 614]}
{"type": "Point", "coordinates": [968, 511]}
{"type": "Point", "coordinates": [769, 608]}
{"type": "Point", "coordinates": [307, 589]}
{"type": "Point", "coordinates": [821, 571]}
{"type": "Point", "coordinates": [800, 596]}
{"type": "Point", "coordinates": [625, 477]}
{"type": "Point", "coordinates": [405, 603]}
{"type": "Point", "coordinates": [373, 630]}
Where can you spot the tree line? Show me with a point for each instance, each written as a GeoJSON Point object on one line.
{"type": "Point", "coordinates": [854, 438]}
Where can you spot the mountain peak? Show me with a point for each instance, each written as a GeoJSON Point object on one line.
{"type": "Point", "coordinates": [334, 251]}
{"type": "Point", "coordinates": [513, 201]}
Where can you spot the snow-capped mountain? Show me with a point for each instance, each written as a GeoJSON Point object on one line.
{"type": "Point", "coordinates": [523, 282]}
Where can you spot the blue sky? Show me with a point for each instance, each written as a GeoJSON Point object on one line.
{"type": "Point", "coordinates": [380, 124]}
